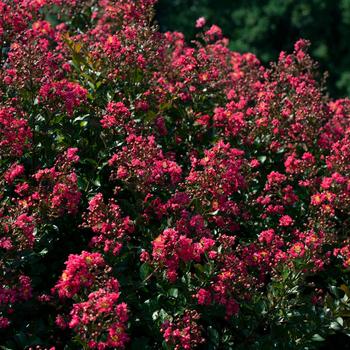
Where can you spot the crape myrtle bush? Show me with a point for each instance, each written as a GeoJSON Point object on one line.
{"type": "Point", "coordinates": [157, 194]}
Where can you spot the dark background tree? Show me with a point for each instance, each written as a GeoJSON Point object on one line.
{"type": "Point", "coordinates": [265, 27]}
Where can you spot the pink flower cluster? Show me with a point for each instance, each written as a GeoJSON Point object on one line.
{"type": "Point", "coordinates": [117, 116]}
{"type": "Point", "coordinates": [63, 94]}
{"type": "Point", "coordinates": [15, 133]}
{"type": "Point", "coordinates": [170, 248]}
{"type": "Point", "coordinates": [142, 163]}
{"type": "Point", "coordinates": [101, 320]}
{"type": "Point", "coordinates": [184, 332]}
{"type": "Point", "coordinates": [221, 175]}
{"type": "Point", "coordinates": [81, 272]}
{"type": "Point", "coordinates": [18, 291]}
{"type": "Point", "coordinates": [108, 224]}
{"type": "Point", "coordinates": [57, 188]}
{"type": "Point", "coordinates": [96, 316]}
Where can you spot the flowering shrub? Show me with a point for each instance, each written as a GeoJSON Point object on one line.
{"type": "Point", "coordinates": [160, 194]}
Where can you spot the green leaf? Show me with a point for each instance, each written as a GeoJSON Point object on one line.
{"type": "Point", "coordinates": [262, 159]}
{"type": "Point", "coordinates": [140, 343]}
{"type": "Point", "coordinates": [317, 337]}
{"type": "Point", "coordinates": [97, 182]}
{"type": "Point", "coordinates": [213, 335]}
{"type": "Point", "coordinates": [145, 271]}
{"type": "Point", "coordinates": [173, 292]}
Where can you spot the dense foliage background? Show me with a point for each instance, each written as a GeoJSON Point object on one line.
{"type": "Point", "coordinates": [266, 27]}
{"type": "Point", "coordinates": [161, 194]}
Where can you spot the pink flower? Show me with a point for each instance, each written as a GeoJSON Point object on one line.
{"type": "Point", "coordinates": [285, 220]}
{"type": "Point", "coordinates": [13, 172]}
{"type": "Point", "coordinates": [297, 250]}
{"type": "Point", "coordinates": [80, 273]}
{"type": "Point", "coordinates": [69, 94]}
{"type": "Point", "coordinates": [203, 297]}
{"type": "Point", "coordinates": [200, 22]}
{"type": "Point", "coordinates": [275, 178]}
{"type": "Point", "coordinates": [267, 236]}
{"type": "Point", "coordinates": [214, 31]}
{"type": "Point", "coordinates": [72, 155]}
{"type": "Point", "coordinates": [4, 322]}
